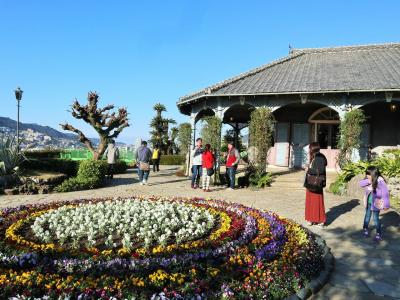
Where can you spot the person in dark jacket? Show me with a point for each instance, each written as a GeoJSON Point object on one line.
{"type": "Point", "coordinates": [315, 207]}
{"type": "Point", "coordinates": [143, 156]}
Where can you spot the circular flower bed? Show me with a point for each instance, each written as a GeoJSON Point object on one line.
{"type": "Point", "coordinates": [155, 248]}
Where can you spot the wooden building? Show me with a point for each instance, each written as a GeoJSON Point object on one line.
{"type": "Point", "coordinates": [309, 91]}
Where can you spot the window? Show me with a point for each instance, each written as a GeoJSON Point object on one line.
{"type": "Point", "coordinates": [325, 128]}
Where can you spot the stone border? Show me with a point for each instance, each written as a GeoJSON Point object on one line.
{"type": "Point", "coordinates": [315, 285]}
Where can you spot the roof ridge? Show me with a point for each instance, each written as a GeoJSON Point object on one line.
{"type": "Point", "coordinates": [224, 83]}
{"type": "Point", "coordinates": [346, 48]}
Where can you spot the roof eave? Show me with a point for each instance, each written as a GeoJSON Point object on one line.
{"type": "Point", "coordinates": [194, 99]}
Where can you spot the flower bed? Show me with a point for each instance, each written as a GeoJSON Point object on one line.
{"type": "Point", "coordinates": [173, 248]}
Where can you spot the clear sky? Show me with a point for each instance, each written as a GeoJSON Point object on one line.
{"type": "Point", "coordinates": [137, 53]}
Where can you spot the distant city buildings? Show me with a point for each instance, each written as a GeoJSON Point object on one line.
{"type": "Point", "coordinates": [36, 140]}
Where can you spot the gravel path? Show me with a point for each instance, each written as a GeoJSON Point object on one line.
{"type": "Point", "coordinates": [363, 269]}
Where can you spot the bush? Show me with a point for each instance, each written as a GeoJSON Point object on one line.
{"type": "Point", "coordinates": [67, 167]}
{"type": "Point", "coordinates": [92, 168]}
{"type": "Point", "coordinates": [91, 175]}
{"type": "Point", "coordinates": [388, 164]}
{"type": "Point", "coordinates": [78, 184]}
{"type": "Point", "coordinates": [392, 151]}
{"type": "Point", "coordinates": [120, 167]}
{"type": "Point", "coordinates": [260, 179]}
{"type": "Point", "coordinates": [339, 186]}
{"type": "Point", "coordinates": [172, 160]}
{"type": "Point", "coordinates": [349, 138]}
{"type": "Point", "coordinates": [44, 154]}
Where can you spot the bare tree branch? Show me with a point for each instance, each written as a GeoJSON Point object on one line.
{"type": "Point", "coordinates": [82, 138]}
{"type": "Point", "coordinates": [107, 124]}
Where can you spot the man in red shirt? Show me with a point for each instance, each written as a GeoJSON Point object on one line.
{"type": "Point", "coordinates": [232, 161]}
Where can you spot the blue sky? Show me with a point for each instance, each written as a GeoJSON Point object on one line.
{"type": "Point", "coordinates": [137, 53]}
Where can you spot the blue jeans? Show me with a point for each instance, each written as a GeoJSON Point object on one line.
{"type": "Point", "coordinates": [230, 177]}
{"type": "Point", "coordinates": [367, 218]}
{"type": "Point", "coordinates": [143, 175]}
{"type": "Point", "coordinates": [197, 170]}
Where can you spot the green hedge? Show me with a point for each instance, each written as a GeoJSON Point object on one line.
{"type": "Point", "coordinates": [68, 167]}
{"type": "Point", "coordinates": [172, 160]}
{"type": "Point", "coordinates": [65, 166]}
{"type": "Point", "coordinates": [43, 154]}
{"type": "Point", "coordinates": [90, 175]}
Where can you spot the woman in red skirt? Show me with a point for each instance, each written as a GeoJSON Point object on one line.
{"type": "Point", "coordinates": [315, 208]}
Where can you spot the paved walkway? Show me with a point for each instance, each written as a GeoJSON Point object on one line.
{"type": "Point", "coordinates": [363, 269]}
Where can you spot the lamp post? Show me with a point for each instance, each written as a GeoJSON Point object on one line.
{"type": "Point", "coordinates": [18, 96]}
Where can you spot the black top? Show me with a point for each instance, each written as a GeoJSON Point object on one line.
{"type": "Point", "coordinates": [318, 165]}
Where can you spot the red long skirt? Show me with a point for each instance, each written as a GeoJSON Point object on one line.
{"type": "Point", "coordinates": [315, 208]}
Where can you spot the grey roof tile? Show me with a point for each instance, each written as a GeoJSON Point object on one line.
{"type": "Point", "coordinates": [352, 68]}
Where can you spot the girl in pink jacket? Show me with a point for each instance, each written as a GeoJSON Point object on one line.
{"type": "Point", "coordinates": [376, 198]}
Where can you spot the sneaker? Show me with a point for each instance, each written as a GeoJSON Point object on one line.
{"type": "Point", "coordinates": [230, 189]}
{"type": "Point", "coordinates": [144, 182]}
{"type": "Point", "coordinates": [310, 223]}
{"type": "Point", "coordinates": [322, 225]}
{"type": "Point", "coordinates": [365, 232]}
{"type": "Point", "coordinates": [378, 238]}
{"type": "Point", "coordinates": [141, 183]}
{"type": "Point", "coordinates": [195, 186]}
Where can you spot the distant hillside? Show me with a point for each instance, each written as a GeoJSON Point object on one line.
{"type": "Point", "coordinates": [68, 138]}
{"type": "Point", "coordinates": [7, 122]}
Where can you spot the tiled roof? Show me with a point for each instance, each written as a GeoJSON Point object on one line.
{"type": "Point", "coordinates": [338, 69]}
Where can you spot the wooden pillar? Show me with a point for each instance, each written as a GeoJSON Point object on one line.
{"type": "Point", "coordinates": [192, 143]}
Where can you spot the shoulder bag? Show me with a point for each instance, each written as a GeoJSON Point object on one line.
{"type": "Point", "coordinates": [144, 166]}
{"type": "Point", "coordinates": [315, 183]}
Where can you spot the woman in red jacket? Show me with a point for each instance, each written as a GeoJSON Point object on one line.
{"type": "Point", "coordinates": [208, 167]}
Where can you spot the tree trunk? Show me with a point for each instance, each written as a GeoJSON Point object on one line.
{"type": "Point", "coordinates": [98, 154]}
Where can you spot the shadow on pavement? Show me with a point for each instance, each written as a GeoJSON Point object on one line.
{"type": "Point", "coordinates": [338, 210]}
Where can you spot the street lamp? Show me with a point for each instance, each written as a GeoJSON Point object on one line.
{"type": "Point", "coordinates": [18, 96]}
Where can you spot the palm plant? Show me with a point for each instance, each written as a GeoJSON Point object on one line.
{"type": "Point", "coordinates": [160, 128]}
{"type": "Point", "coordinates": [10, 156]}
{"type": "Point", "coordinates": [159, 108]}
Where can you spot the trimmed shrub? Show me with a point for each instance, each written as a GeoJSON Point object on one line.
{"type": "Point", "coordinates": [92, 168]}
{"type": "Point", "coordinates": [67, 167]}
{"type": "Point", "coordinates": [172, 160]}
{"type": "Point", "coordinates": [91, 175]}
{"type": "Point", "coordinates": [349, 138]}
{"type": "Point", "coordinates": [120, 167]}
{"type": "Point", "coordinates": [43, 154]}
{"type": "Point", "coordinates": [78, 184]}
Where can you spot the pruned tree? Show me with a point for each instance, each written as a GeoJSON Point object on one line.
{"type": "Point", "coordinates": [350, 135]}
{"type": "Point", "coordinates": [160, 128]}
{"type": "Point", "coordinates": [260, 131]}
{"type": "Point", "coordinates": [184, 137]}
{"type": "Point", "coordinates": [106, 123]}
{"type": "Point", "coordinates": [173, 148]}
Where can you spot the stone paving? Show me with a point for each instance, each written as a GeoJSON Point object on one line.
{"type": "Point", "coordinates": [363, 269]}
